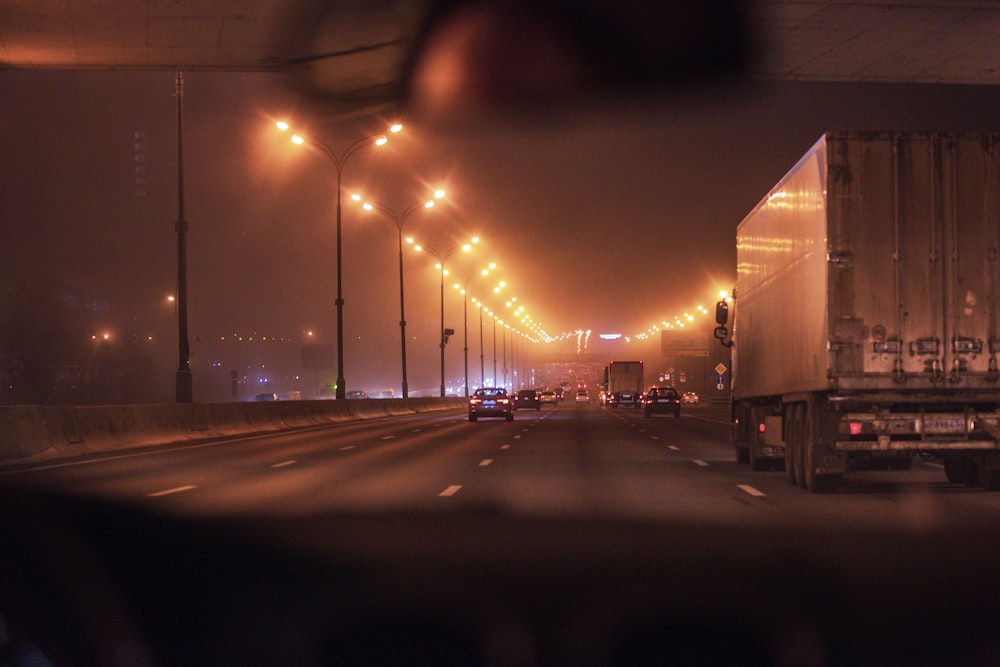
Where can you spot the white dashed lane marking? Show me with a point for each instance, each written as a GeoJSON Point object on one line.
{"type": "Point", "coordinates": [451, 490]}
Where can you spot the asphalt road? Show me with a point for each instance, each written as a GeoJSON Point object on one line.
{"type": "Point", "coordinates": [564, 460]}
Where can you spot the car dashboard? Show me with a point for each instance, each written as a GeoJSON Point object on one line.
{"type": "Point", "coordinates": [92, 582]}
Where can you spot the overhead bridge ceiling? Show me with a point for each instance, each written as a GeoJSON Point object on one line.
{"type": "Point", "coordinates": [918, 41]}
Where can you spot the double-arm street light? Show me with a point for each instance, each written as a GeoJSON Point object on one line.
{"type": "Point", "coordinates": [338, 163]}
{"type": "Point", "coordinates": [464, 289]}
{"type": "Point", "coordinates": [399, 220]}
{"type": "Point", "coordinates": [442, 256]}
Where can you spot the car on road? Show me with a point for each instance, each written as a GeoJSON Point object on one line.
{"type": "Point", "coordinates": [266, 396]}
{"type": "Point", "coordinates": [527, 399]}
{"type": "Point", "coordinates": [548, 398]}
{"type": "Point", "coordinates": [582, 396]}
{"type": "Point", "coordinates": [661, 400]}
{"type": "Point", "coordinates": [358, 393]}
{"type": "Point", "coordinates": [491, 402]}
{"type": "Point", "coordinates": [689, 398]}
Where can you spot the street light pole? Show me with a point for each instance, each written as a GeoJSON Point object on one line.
{"type": "Point", "coordinates": [482, 366]}
{"type": "Point", "coordinates": [464, 288]}
{"type": "Point", "coordinates": [338, 164]}
{"type": "Point", "coordinates": [442, 257]}
{"type": "Point", "coordinates": [399, 220]}
{"type": "Point", "coordinates": [184, 391]}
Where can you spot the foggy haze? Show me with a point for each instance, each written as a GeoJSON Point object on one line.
{"type": "Point", "coordinates": [608, 220]}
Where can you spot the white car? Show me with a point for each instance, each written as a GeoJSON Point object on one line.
{"type": "Point", "coordinates": [582, 396]}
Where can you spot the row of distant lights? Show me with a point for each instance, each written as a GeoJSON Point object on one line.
{"type": "Point", "coordinates": [679, 322]}
{"type": "Point", "coordinates": [532, 330]}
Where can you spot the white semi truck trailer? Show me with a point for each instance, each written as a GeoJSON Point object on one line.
{"type": "Point", "coordinates": [865, 327]}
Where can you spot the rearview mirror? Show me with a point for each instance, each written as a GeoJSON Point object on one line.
{"type": "Point", "coordinates": [466, 57]}
{"type": "Point", "coordinates": [721, 312]}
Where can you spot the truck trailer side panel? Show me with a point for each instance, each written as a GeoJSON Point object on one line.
{"type": "Point", "coordinates": [874, 265]}
{"type": "Point", "coordinates": [866, 315]}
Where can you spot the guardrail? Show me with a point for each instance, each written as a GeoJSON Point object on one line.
{"type": "Point", "coordinates": [40, 433]}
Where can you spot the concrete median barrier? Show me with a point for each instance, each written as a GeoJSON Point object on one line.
{"type": "Point", "coordinates": [30, 434]}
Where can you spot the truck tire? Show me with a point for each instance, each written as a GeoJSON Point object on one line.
{"type": "Point", "coordinates": [790, 435]}
{"type": "Point", "coordinates": [759, 463]}
{"type": "Point", "coordinates": [815, 483]}
{"type": "Point", "coordinates": [989, 479]}
{"type": "Point", "coordinates": [954, 469]}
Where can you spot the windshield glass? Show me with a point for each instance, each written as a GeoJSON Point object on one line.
{"type": "Point", "coordinates": [273, 329]}
{"type": "Point", "coordinates": [292, 295]}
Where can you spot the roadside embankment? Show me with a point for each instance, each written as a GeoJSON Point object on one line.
{"type": "Point", "coordinates": [32, 433]}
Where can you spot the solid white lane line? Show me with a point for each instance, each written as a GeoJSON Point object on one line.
{"type": "Point", "coordinates": [179, 489]}
{"type": "Point", "coordinates": [450, 491]}
{"type": "Point", "coordinates": [700, 463]}
{"type": "Point", "coordinates": [344, 449]}
{"type": "Point", "coordinates": [756, 493]}
{"type": "Point", "coordinates": [284, 463]}
{"type": "Point", "coordinates": [485, 462]}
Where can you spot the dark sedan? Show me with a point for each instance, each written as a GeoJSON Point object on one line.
{"type": "Point", "coordinates": [491, 402]}
{"type": "Point", "coordinates": [662, 400]}
{"type": "Point", "coordinates": [527, 399]}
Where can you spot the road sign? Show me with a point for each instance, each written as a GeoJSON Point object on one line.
{"type": "Point", "coordinates": [720, 368]}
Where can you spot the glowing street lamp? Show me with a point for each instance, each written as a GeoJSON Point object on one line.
{"type": "Point", "coordinates": [398, 220]}
{"type": "Point", "coordinates": [338, 162]}
{"type": "Point", "coordinates": [442, 257]}
{"type": "Point", "coordinates": [464, 289]}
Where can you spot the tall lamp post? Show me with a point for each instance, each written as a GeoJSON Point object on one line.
{"type": "Point", "coordinates": [464, 289]}
{"type": "Point", "coordinates": [398, 220]}
{"type": "Point", "coordinates": [184, 389]}
{"type": "Point", "coordinates": [442, 256]}
{"type": "Point", "coordinates": [338, 163]}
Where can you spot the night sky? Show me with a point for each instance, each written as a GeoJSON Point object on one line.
{"type": "Point", "coordinates": [606, 219]}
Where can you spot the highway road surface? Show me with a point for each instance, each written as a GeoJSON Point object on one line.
{"type": "Point", "coordinates": [563, 460]}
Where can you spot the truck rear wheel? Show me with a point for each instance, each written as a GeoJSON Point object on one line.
{"type": "Point", "coordinates": [791, 445]}
{"type": "Point", "coordinates": [816, 483]}
{"type": "Point", "coordinates": [954, 469]}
